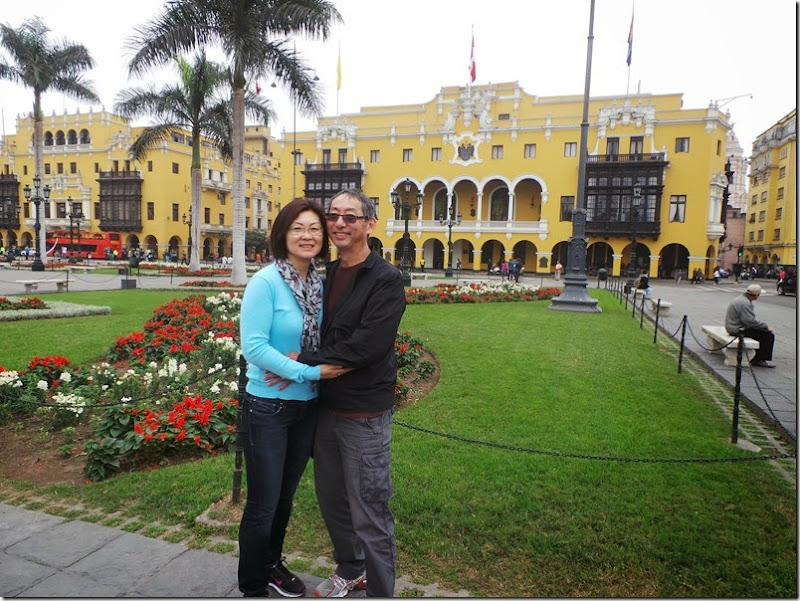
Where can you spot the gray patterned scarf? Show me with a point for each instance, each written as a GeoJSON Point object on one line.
{"type": "Point", "coordinates": [309, 296]}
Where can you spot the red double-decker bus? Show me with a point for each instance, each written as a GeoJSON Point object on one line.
{"type": "Point", "coordinates": [89, 245]}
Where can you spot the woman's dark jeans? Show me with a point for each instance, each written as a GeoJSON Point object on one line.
{"type": "Point", "coordinates": [277, 437]}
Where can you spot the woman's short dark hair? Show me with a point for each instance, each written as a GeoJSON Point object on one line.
{"type": "Point", "coordinates": [285, 219]}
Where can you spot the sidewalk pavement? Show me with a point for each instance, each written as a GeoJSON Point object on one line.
{"type": "Point", "coordinates": [49, 556]}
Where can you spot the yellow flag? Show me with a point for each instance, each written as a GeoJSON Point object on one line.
{"type": "Point", "coordinates": [339, 71]}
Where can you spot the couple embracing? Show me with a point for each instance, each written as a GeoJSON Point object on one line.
{"type": "Point", "coordinates": [321, 377]}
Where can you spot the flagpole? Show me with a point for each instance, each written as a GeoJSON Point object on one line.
{"type": "Point", "coordinates": [630, 53]}
{"type": "Point", "coordinates": [338, 78]}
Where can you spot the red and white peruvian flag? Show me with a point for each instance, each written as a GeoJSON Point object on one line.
{"type": "Point", "coordinates": [472, 61]}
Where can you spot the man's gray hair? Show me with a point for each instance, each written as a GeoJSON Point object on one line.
{"type": "Point", "coordinates": [367, 205]}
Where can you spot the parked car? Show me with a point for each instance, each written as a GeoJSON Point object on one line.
{"type": "Point", "coordinates": [788, 285]}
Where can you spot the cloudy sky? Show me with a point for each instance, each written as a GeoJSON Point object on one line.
{"type": "Point", "coordinates": [404, 52]}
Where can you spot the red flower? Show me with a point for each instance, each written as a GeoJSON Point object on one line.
{"type": "Point", "coordinates": [148, 437]}
{"type": "Point", "coordinates": [137, 427]}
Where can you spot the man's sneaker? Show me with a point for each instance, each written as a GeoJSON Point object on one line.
{"type": "Point", "coordinates": [336, 586]}
{"type": "Point", "coordinates": [282, 580]}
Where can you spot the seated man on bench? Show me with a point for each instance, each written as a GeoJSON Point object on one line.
{"type": "Point", "coordinates": [741, 318]}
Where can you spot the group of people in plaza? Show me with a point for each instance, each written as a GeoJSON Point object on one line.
{"type": "Point", "coordinates": [508, 270]}
{"type": "Point", "coordinates": [321, 380]}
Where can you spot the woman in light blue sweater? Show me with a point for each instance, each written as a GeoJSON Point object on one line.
{"type": "Point", "coordinates": [281, 313]}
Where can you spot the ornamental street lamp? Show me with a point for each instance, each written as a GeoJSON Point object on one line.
{"type": "Point", "coordinates": [452, 219]}
{"type": "Point", "coordinates": [574, 296]}
{"type": "Point", "coordinates": [188, 221]}
{"type": "Point", "coordinates": [637, 200]}
{"type": "Point", "coordinates": [404, 205]}
{"type": "Point", "coordinates": [75, 219]}
{"type": "Point", "coordinates": [37, 200]}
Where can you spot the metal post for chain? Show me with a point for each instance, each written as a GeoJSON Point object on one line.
{"type": "Point", "coordinates": [737, 390]}
{"type": "Point", "coordinates": [658, 313]}
{"type": "Point", "coordinates": [236, 495]}
{"type": "Point", "coordinates": [683, 344]}
{"type": "Point", "coordinates": [641, 314]}
{"type": "Point", "coordinates": [633, 302]}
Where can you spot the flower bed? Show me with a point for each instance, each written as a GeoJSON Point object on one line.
{"type": "Point", "coordinates": [209, 284]}
{"type": "Point", "coordinates": [478, 293]}
{"type": "Point", "coordinates": [171, 389]}
{"type": "Point", "coordinates": [35, 302]}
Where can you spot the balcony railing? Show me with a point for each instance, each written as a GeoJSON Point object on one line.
{"type": "Point", "coordinates": [626, 158]}
{"type": "Point", "coordinates": [331, 166]}
{"type": "Point", "coordinates": [470, 227]}
{"type": "Point", "coordinates": [120, 174]}
{"type": "Point", "coordinates": [214, 184]}
{"type": "Point", "coordinates": [207, 228]}
{"type": "Point", "coordinates": [120, 225]}
{"type": "Point", "coordinates": [623, 228]}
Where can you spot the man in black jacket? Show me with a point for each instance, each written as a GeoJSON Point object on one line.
{"type": "Point", "coordinates": [364, 302]}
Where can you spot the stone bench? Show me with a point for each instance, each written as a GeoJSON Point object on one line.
{"type": "Point", "coordinates": [83, 268]}
{"type": "Point", "coordinates": [722, 342]}
{"type": "Point", "coordinates": [652, 304]}
{"type": "Point", "coordinates": [33, 285]}
{"type": "Point", "coordinates": [421, 276]}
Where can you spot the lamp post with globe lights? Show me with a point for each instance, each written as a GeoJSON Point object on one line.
{"type": "Point", "coordinates": [33, 195]}
{"type": "Point", "coordinates": [404, 205]}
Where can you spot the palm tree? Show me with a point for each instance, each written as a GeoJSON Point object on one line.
{"type": "Point", "coordinates": [252, 33]}
{"type": "Point", "coordinates": [37, 62]}
{"type": "Point", "coordinates": [194, 104]}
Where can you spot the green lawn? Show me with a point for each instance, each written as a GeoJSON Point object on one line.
{"type": "Point", "coordinates": [82, 340]}
{"type": "Point", "coordinates": [515, 523]}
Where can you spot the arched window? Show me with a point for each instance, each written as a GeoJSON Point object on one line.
{"type": "Point", "coordinates": [72, 137]}
{"type": "Point", "coordinates": [499, 206]}
{"type": "Point", "coordinates": [48, 138]}
{"type": "Point", "coordinates": [85, 139]}
{"type": "Point", "coordinates": [59, 138]}
{"type": "Point", "coordinates": [440, 204]}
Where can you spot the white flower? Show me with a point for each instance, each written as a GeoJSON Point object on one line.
{"type": "Point", "coordinates": [233, 385]}
{"type": "Point", "coordinates": [104, 387]}
{"type": "Point", "coordinates": [71, 402]}
{"type": "Point", "coordinates": [41, 385]}
{"type": "Point", "coordinates": [215, 388]}
{"type": "Point", "coordinates": [10, 378]}
{"type": "Point", "coordinates": [65, 376]}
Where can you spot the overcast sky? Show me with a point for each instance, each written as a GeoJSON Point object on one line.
{"type": "Point", "coordinates": [403, 52]}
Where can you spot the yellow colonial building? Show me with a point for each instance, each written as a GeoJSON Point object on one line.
{"type": "Point", "coordinates": [503, 165]}
{"type": "Point", "coordinates": [771, 225]}
{"type": "Point", "coordinates": [494, 169]}
{"type": "Point", "coordinates": [88, 169]}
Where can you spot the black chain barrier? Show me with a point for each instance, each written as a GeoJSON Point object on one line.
{"type": "Point", "coordinates": [684, 324]}
{"type": "Point", "coordinates": [507, 447]}
{"type": "Point", "coordinates": [80, 279]}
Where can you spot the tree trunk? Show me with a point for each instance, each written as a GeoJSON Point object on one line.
{"type": "Point", "coordinates": [38, 153]}
{"type": "Point", "coordinates": [239, 271]}
{"type": "Point", "coordinates": [196, 185]}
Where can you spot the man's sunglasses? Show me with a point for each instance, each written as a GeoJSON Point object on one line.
{"type": "Point", "coordinates": [349, 219]}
